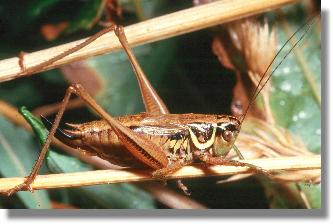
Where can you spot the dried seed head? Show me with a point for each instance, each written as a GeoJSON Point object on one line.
{"type": "Point", "coordinates": [257, 44]}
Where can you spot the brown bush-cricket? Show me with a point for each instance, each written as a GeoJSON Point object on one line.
{"type": "Point", "coordinates": [157, 139]}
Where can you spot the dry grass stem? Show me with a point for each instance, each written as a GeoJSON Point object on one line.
{"type": "Point", "coordinates": [119, 176]}
{"type": "Point", "coordinates": [162, 27]}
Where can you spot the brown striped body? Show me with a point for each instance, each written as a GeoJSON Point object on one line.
{"type": "Point", "coordinates": [177, 135]}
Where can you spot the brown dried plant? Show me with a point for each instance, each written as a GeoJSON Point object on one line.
{"type": "Point", "coordinates": [258, 46]}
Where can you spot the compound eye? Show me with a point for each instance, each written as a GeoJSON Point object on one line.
{"type": "Point", "coordinates": [227, 135]}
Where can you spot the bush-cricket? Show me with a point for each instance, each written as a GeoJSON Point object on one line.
{"type": "Point", "coordinates": [156, 139]}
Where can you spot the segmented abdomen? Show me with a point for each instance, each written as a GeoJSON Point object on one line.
{"type": "Point", "coordinates": [98, 138]}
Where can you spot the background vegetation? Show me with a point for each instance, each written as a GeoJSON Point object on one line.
{"type": "Point", "coordinates": [186, 74]}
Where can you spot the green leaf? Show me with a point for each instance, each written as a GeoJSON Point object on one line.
{"type": "Point", "coordinates": [37, 7]}
{"type": "Point", "coordinates": [17, 153]}
{"type": "Point", "coordinates": [283, 195]}
{"type": "Point", "coordinates": [38, 127]}
{"type": "Point", "coordinates": [313, 194]}
{"type": "Point", "coordinates": [121, 93]}
{"type": "Point", "coordinates": [147, 9]}
{"type": "Point", "coordinates": [18, 92]}
{"type": "Point", "coordinates": [118, 77]}
{"type": "Point", "coordinates": [294, 100]}
{"type": "Point", "coordinates": [288, 195]}
{"type": "Point", "coordinates": [89, 13]}
{"type": "Point", "coordinates": [104, 196]}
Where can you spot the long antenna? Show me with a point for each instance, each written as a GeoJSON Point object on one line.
{"type": "Point", "coordinates": [306, 26]}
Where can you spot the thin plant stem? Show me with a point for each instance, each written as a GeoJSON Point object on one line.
{"type": "Point", "coordinates": [120, 176]}
{"type": "Point", "coordinates": [173, 24]}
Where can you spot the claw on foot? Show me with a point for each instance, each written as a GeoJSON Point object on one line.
{"type": "Point", "coordinates": [183, 188]}
{"type": "Point", "coordinates": [158, 175]}
{"type": "Point", "coordinates": [25, 186]}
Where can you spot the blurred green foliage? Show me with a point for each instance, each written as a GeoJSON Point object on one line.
{"type": "Point", "coordinates": [185, 73]}
{"type": "Point", "coordinates": [293, 101]}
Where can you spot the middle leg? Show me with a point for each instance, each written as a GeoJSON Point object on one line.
{"type": "Point", "coordinates": [161, 174]}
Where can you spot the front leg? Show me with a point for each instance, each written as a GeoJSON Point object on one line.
{"type": "Point", "coordinates": [209, 159]}
{"type": "Point", "coordinates": [162, 173]}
